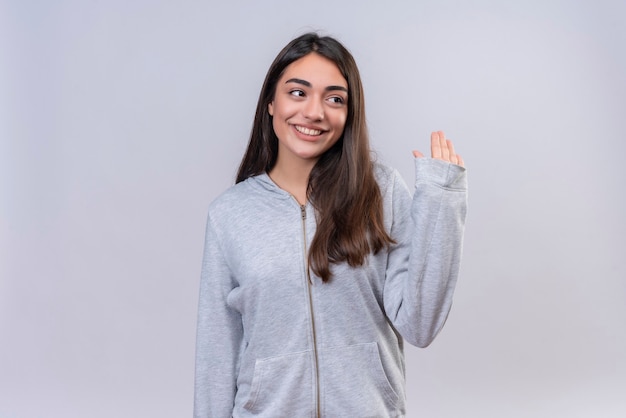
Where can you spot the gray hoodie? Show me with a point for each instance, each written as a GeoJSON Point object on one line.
{"type": "Point", "coordinates": [274, 341]}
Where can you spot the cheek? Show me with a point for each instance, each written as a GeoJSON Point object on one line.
{"type": "Point", "coordinates": [340, 123]}
{"type": "Point", "coordinates": [279, 126]}
{"type": "Point", "coordinates": [275, 125]}
{"type": "Point", "coordinates": [283, 110]}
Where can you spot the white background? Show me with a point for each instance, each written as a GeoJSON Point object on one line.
{"type": "Point", "coordinates": [121, 120]}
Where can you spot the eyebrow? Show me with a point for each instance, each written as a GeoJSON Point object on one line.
{"type": "Point", "coordinates": [307, 84]}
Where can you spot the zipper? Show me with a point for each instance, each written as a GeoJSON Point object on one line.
{"type": "Point", "coordinates": [307, 275]}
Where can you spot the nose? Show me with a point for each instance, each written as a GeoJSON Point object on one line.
{"type": "Point", "coordinates": [314, 109]}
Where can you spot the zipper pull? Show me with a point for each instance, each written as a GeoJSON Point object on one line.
{"type": "Point", "coordinates": [303, 210]}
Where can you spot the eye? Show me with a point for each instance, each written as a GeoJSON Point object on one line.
{"type": "Point", "coordinates": [336, 100]}
{"type": "Point", "coordinates": [297, 93]}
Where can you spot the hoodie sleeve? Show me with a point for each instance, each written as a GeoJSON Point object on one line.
{"type": "Point", "coordinates": [423, 265]}
{"type": "Point", "coordinates": [219, 335]}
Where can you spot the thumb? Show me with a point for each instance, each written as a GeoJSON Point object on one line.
{"type": "Point", "coordinates": [417, 154]}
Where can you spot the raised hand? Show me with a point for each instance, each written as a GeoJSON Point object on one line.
{"type": "Point", "coordinates": [442, 149]}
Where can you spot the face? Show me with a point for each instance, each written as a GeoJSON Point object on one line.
{"type": "Point", "coordinates": [309, 109]}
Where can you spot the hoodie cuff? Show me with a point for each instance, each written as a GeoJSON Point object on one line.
{"type": "Point", "coordinates": [440, 173]}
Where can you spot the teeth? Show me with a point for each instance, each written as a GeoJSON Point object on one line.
{"type": "Point", "coordinates": [307, 131]}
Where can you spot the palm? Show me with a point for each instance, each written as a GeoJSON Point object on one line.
{"type": "Point", "coordinates": [442, 149]}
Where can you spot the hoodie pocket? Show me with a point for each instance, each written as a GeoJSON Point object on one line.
{"type": "Point", "coordinates": [355, 384]}
{"type": "Point", "coordinates": [282, 385]}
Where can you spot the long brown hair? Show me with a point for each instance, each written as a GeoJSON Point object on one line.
{"type": "Point", "coordinates": [342, 187]}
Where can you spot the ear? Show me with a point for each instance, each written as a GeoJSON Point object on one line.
{"type": "Point", "coordinates": [270, 108]}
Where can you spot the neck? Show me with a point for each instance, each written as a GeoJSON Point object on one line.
{"type": "Point", "coordinates": [293, 177]}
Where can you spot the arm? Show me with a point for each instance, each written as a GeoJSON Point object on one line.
{"type": "Point", "coordinates": [219, 336]}
{"type": "Point", "coordinates": [423, 266]}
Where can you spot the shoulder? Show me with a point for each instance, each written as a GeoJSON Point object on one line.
{"type": "Point", "coordinates": [383, 174]}
{"type": "Point", "coordinates": [234, 203]}
{"type": "Point", "coordinates": [247, 199]}
{"type": "Point", "coordinates": [230, 199]}
{"type": "Point", "coordinates": [388, 178]}
{"type": "Point", "coordinates": [228, 211]}
{"type": "Point", "coordinates": [382, 171]}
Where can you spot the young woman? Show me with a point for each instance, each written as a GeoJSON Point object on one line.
{"type": "Point", "coordinates": [318, 263]}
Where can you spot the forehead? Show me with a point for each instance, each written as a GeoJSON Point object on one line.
{"type": "Point", "coordinates": [316, 69]}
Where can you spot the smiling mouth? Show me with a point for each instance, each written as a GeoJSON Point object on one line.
{"type": "Point", "coordinates": [307, 131]}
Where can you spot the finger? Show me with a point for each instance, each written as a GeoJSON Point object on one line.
{"type": "Point", "coordinates": [435, 145]}
{"type": "Point", "coordinates": [460, 161]}
{"type": "Point", "coordinates": [445, 153]}
{"type": "Point", "coordinates": [417, 154]}
{"type": "Point", "coordinates": [452, 154]}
